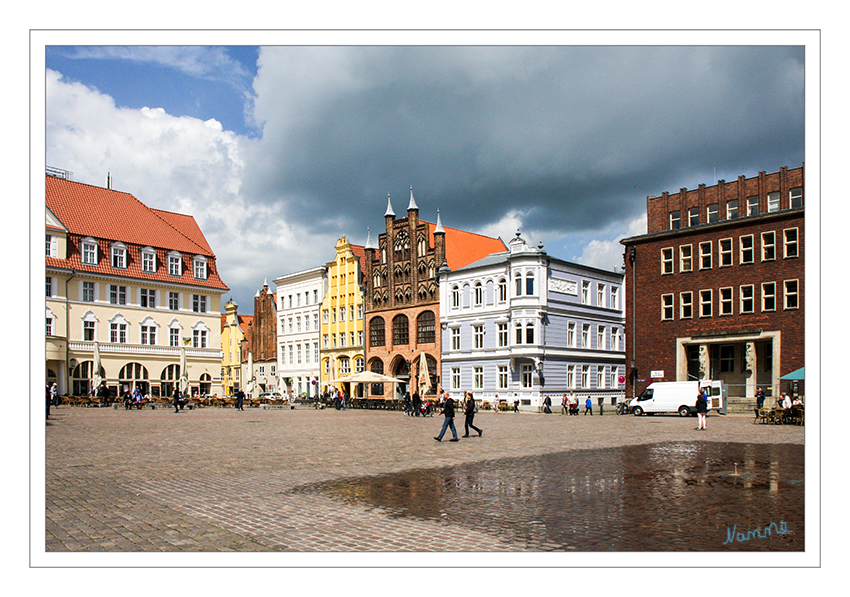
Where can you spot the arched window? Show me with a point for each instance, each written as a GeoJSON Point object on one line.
{"type": "Point", "coordinates": [206, 384]}
{"type": "Point", "coordinates": [377, 366]}
{"type": "Point", "coordinates": [376, 332]}
{"type": "Point", "coordinates": [344, 365]}
{"type": "Point", "coordinates": [425, 327]}
{"type": "Point", "coordinates": [133, 375]}
{"type": "Point", "coordinates": [503, 290]}
{"type": "Point", "coordinates": [168, 379]}
{"type": "Point", "coordinates": [518, 280]}
{"type": "Point", "coordinates": [519, 333]}
{"type": "Point", "coordinates": [529, 333]}
{"type": "Point", "coordinates": [359, 364]}
{"type": "Point", "coordinates": [81, 378]}
{"type": "Point", "coordinates": [401, 334]}
{"type": "Point", "coordinates": [478, 294]}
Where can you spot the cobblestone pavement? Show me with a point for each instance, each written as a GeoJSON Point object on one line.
{"type": "Point", "coordinates": [215, 480]}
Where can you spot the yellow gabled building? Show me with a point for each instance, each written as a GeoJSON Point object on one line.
{"type": "Point", "coordinates": [342, 342]}
{"type": "Point", "coordinates": [233, 328]}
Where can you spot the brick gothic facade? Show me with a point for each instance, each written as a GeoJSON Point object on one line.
{"type": "Point", "coordinates": [260, 345]}
{"type": "Point", "coordinates": [402, 297]}
{"type": "Point", "coordinates": [715, 289]}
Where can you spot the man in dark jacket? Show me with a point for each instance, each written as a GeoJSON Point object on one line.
{"type": "Point", "coordinates": [449, 422]}
{"type": "Point", "coordinates": [176, 399]}
{"type": "Point", "coordinates": [240, 398]}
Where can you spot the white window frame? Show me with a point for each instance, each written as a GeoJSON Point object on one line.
{"type": "Point", "coordinates": [148, 260]}
{"type": "Point", "coordinates": [686, 258]}
{"type": "Point", "coordinates": [478, 337]}
{"type": "Point", "coordinates": [455, 378]}
{"type": "Point", "coordinates": [726, 253]}
{"type": "Point", "coordinates": [773, 202]}
{"type": "Point", "coordinates": [478, 378]}
{"type": "Point", "coordinates": [768, 246]}
{"type": "Point", "coordinates": [199, 303]}
{"type": "Point", "coordinates": [117, 294]}
{"type": "Point", "coordinates": [706, 256]}
{"type": "Point", "coordinates": [791, 246]}
{"type": "Point", "coordinates": [726, 296]}
{"type": "Point", "coordinates": [175, 264]}
{"type": "Point", "coordinates": [746, 293]}
{"type": "Point", "coordinates": [746, 254]}
{"type": "Point", "coordinates": [88, 251]}
{"type": "Point", "coordinates": [199, 267]}
{"type": "Point", "coordinates": [667, 307]}
{"type": "Point", "coordinates": [502, 334]}
{"type": "Point", "coordinates": [790, 295]}
{"type": "Point", "coordinates": [503, 377]}
{"type": "Point", "coordinates": [118, 256]}
{"type": "Point", "coordinates": [686, 305]}
{"type": "Point", "coordinates": [666, 260]}
{"type": "Point", "coordinates": [768, 296]}
{"type": "Point", "coordinates": [706, 303]}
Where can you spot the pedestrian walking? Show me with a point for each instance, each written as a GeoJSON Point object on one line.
{"type": "Point", "coordinates": [449, 422]}
{"type": "Point", "coordinates": [47, 399]}
{"type": "Point", "coordinates": [469, 411]}
{"type": "Point", "coordinates": [103, 394]}
{"type": "Point", "coordinates": [565, 405]}
{"type": "Point", "coordinates": [588, 406]}
{"type": "Point", "coordinates": [176, 399]}
{"type": "Point", "coordinates": [240, 398]}
{"type": "Point", "coordinates": [54, 394]}
{"type": "Point", "coordinates": [547, 405]}
{"type": "Point", "coordinates": [417, 404]}
{"type": "Point", "coordinates": [702, 409]}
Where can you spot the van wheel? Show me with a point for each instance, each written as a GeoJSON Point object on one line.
{"type": "Point", "coordinates": [638, 411]}
{"type": "Point", "coordinates": [684, 411]}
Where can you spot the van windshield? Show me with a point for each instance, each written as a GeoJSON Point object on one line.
{"type": "Point", "coordinates": [647, 395]}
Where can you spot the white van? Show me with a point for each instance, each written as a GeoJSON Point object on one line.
{"type": "Point", "coordinates": [678, 396]}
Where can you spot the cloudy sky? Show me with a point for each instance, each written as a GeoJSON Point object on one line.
{"type": "Point", "coordinates": [279, 150]}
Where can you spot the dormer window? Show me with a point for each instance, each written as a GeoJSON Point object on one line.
{"type": "Point", "coordinates": [200, 267]}
{"type": "Point", "coordinates": [119, 256]}
{"type": "Point", "coordinates": [88, 249]}
{"type": "Point", "coordinates": [148, 260]}
{"type": "Point", "coordinates": [175, 264]}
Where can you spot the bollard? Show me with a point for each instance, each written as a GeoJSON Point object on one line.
{"type": "Point", "coordinates": [601, 402]}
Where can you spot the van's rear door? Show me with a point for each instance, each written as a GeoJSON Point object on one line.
{"type": "Point", "coordinates": [718, 397]}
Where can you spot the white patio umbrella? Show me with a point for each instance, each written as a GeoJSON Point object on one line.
{"type": "Point", "coordinates": [424, 378]}
{"type": "Point", "coordinates": [184, 373]}
{"type": "Point", "coordinates": [96, 379]}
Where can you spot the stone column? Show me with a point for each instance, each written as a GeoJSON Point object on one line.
{"type": "Point", "coordinates": [751, 368]}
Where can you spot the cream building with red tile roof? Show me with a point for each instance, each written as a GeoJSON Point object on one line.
{"type": "Point", "coordinates": [131, 288]}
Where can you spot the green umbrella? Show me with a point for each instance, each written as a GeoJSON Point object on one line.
{"type": "Point", "coordinates": [798, 375]}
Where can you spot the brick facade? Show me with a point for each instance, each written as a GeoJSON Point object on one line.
{"type": "Point", "coordinates": [722, 299]}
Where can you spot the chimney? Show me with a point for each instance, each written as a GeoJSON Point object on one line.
{"type": "Point", "coordinates": [108, 181]}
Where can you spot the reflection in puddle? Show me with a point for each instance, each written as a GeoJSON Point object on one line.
{"type": "Point", "coordinates": [660, 497]}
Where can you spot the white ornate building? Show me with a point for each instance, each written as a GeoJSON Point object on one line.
{"type": "Point", "coordinates": [521, 324]}
{"type": "Point", "coordinates": [300, 296]}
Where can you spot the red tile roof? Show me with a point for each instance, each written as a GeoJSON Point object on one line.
{"type": "Point", "coordinates": [463, 248]}
{"type": "Point", "coordinates": [108, 216]}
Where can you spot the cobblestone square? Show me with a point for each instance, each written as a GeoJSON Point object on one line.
{"type": "Point", "coordinates": [280, 480]}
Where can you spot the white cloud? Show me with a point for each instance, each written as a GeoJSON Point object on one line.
{"type": "Point", "coordinates": [607, 253]}
{"type": "Point", "coordinates": [180, 164]}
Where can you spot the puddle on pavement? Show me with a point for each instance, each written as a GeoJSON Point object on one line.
{"type": "Point", "coordinates": [673, 496]}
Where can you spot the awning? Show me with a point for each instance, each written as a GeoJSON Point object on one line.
{"type": "Point", "coordinates": [798, 375]}
{"type": "Point", "coordinates": [369, 377]}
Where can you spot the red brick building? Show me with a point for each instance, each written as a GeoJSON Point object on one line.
{"type": "Point", "coordinates": [259, 346]}
{"type": "Point", "coordinates": [715, 289]}
{"type": "Point", "coordinates": [402, 301]}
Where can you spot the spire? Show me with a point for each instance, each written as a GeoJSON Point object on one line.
{"type": "Point", "coordinates": [369, 244]}
{"type": "Point", "coordinates": [412, 204]}
{"type": "Point", "coordinates": [439, 228]}
{"type": "Point", "coordinates": [390, 211]}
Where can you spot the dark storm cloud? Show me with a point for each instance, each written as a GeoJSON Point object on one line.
{"type": "Point", "coordinates": [571, 137]}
